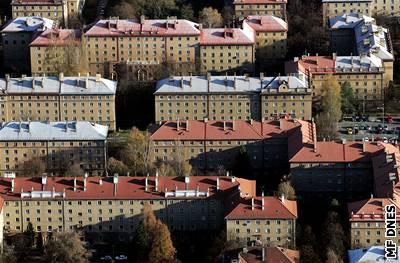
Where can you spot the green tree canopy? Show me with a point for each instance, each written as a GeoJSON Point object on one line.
{"type": "Point", "coordinates": [349, 101]}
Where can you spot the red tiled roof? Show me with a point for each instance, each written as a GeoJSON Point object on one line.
{"type": "Point", "coordinates": [274, 208]}
{"type": "Point", "coordinates": [127, 187]}
{"type": "Point", "coordinates": [36, 2]}
{"type": "Point", "coordinates": [234, 130]}
{"type": "Point", "coordinates": [266, 23]}
{"type": "Point", "coordinates": [152, 28]}
{"type": "Point", "coordinates": [311, 64]}
{"type": "Point", "coordinates": [337, 152]}
{"type": "Point", "coordinates": [271, 255]}
{"type": "Point", "coordinates": [57, 37]}
{"type": "Point", "coordinates": [250, 2]}
{"type": "Point", "coordinates": [225, 36]}
{"type": "Point", "coordinates": [371, 209]}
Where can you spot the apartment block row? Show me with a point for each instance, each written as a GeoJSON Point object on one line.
{"type": "Point", "coordinates": [333, 8]}
{"type": "Point", "coordinates": [212, 145]}
{"type": "Point", "coordinates": [364, 59]}
{"type": "Point", "coordinates": [59, 145]}
{"type": "Point", "coordinates": [81, 98]}
{"type": "Point", "coordinates": [232, 98]}
{"type": "Point", "coordinates": [152, 42]}
{"type": "Point", "coordinates": [112, 206]}
{"type": "Point", "coordinates": [245, 8]}
{"type": "Point", "coordinates": [61, 11]}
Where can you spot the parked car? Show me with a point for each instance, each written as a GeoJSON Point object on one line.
{"type": "Point", "coordinates": [121, 258]}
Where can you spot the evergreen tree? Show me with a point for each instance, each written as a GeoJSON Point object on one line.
{"type": "Point", "coordinates": [141, 242]}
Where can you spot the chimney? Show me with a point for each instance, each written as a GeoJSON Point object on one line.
{"type": "Point", "coordinates": [98, 77]}
{"type": "Point", "coordinates": [74, 184]}
{"type": "Point", "coordinates": [205, 120]}
{"type": "Point", "coordinates": [224, 125]}
{"type": "Point", "coordinates": [177, 125]}
{"type": "Point", "coordinates": [187, 180]}
{"type": "Point", "coordinates": [227, 173]}
{"type": "Point", "coordinates": [142, 19]}
{"type": "Point", "coordinates": [182, 82]}
{"type": "Point", "coordinates": [334, 55]}
{"type": "Point", "coordinates": [233, 125]}
{"type": "Point", "coordinates": [44, 181]}
{"type": "Point", "coordinates": [156, 182]}
{"type": "Point", "coordinates": [85, 181]}
{"type": "Point", "coordinates": [187, 125]}
{"type": "Point", "coordinates": [262, 203]}
{"type": "Point", "coordinates": [200, 26]}
{"type": "Point", "coordinates": [252, 203]}
{"type": "Point", "coordinates": [282, 198]}
{"type": "Point", "coordinates": [7, 77]}
{"type": "Point", "coordinates": [115, 181]}
{"type": "Point", "coordinates": [234, 82]}
{"type": "Point", "coordinates": [314, 135]}
{"type": "Point", "coordinates": [100, 181]}
{"type": "Point", "coordinates": [12, 184]}
{"type": "Point", "coordinates": [261, 76]}
{"type": "Point", "coordinates": [61, 77]}
{"type": "Point", "coordinates": [263, 253]}
{"type": "Point", "coordinates": [217, 183]}
{"type": "Point", "coordinates": [191, 82]}
{"type": "Point", "coordinates": [146, 183]}
{"type": "Point", "coordinates": [363, 145]}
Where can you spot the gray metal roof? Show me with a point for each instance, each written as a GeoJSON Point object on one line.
{"type": "Point", "coordinates": [52, 131]}
{"type": "Point", "coordinates": [68, 86]}
{"type": "Point", "coordinates": [28, 24]}
{"type": "Point", "coordinates": [345, 1]}
{"type": "Point", "coordinates": [222, 84]}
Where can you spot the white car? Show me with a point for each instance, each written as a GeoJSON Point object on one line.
{"type": "Point", "coordinates": [106, 258]}
{"type": "Point", "coordinates": [121, 257]}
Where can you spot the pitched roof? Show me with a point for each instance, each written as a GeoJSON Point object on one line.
{"type": "Point", "coordinates": [271, 255]}
{"type": "Point", "coordinates": [148, 27]}
{"type": "Point", "coordinates": [225, 130]}
{"type": "Point", "coordinates": [266, 23]}
{"type": "Point", "coordinates": [262, 2]}
{"type": "Point", "coordinates": [312, 64]}
{"type": "Point", "coordinates": [371, 209]}
{"type": "Point", "coordinates": [274, 208]}
{"type": "Point", "coordinates": [57, 37]}
{"type": "Point", "coordinates": [28, 24]}
{"type": "Point", "coordinates": [67, 86]}
{"type": "Point", "coordinates": [371, 254]}
{"type": "Point", "coordinates": [52, 131]}
{"type": "Point", "coordinates": [103, 188]}
{"type": "Point", "coordinates": [338, 152]}
{"type": "Point", "coordinates": [226, 36]}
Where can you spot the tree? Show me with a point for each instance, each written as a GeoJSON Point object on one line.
{"type": "Point", "coordinates": [348, 99]}
{"type": "Point", "coordinates": [29, 235]}
{"type": "Point", "coordinates": [180, 163]}
{"type": "Point", "coordinates": [123, 10]}
{"type": "Point", "coordinates": [33, 167]}
{"type": "Point", "coordinates": [308, 255]}
{"type": "Point", "coordinates": [9, 254]}
{"type": "Point", "coordinates": [328, 118]}
{"type": "Point", "coordinates": [242, 166]}
{"type": "Point", "coordinates": [187, 12]}
{"type": "Point", "coordinates": [136, 154]}
{"type": "Point", "coordinates": [285, 188]}
{"type": "Point", "coordinates": [332, 257]}
{"type": "Point", "coordinates": [65, 247]}
{"type": "Point", "coordinates": [334, 233]}
{"type": "Point", "coordinates": [115, 166]}
{"type": "Point", "coordinates": [158, 8]}
{"type": "Point", "coordinates": [210, 17]}
{"type": "Point", "coordinates": [141, 242]}
{"type": "Point", "coordinates": [68, 57]}
{"type": "Point", "coordinates": [74, 170]}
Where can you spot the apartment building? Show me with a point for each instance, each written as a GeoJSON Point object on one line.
{"type": "Point", "coordinates": [232, 98]}
{"type": "Point", "coordinates": [57, 144]}
{"type": "Point", "coordinates": [365, 74]}
{"type": "Point", "coordinates": [52, 9]}
{"type": "Point", "coordinates": [245, 8]}
{"type": "Point", "coordinates": [274, 254]}
{"type": "Point", "coordinates": [58, 99]}
{"type": "Point", "coordinates": [146, 41]}
{"type": "Point", "coordinates": [270, 35]}
{"type": "Point", "coordinates": [112, 206]}
{"type": "Point", "coordinates": [211, 145]}
{"type": "Point", "coordinates": [269, 221]}
{"type": "Point", "coordinates": [16, 37]}
{"type": "Point", "coordinates": [329, 169]}
{"type": "Point", "coordinates": [49, 50]}
{"type": "Point", "coordinates": [227, 50]}
{"type": "Point", "coordinates": [367, 222]}
{"type": "Point", "coordinates": [359, 35]}
{"type": "Point", "coordinates": [332, 8]}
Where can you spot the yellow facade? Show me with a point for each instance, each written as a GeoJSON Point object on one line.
{"type": "Point", "coordinates": [368, 233]}
{"type": "Point", "coordinates": [243, 9]}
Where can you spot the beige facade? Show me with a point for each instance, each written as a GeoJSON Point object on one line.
{"type": "Point", "coordinates": [35, 139]}
{"type": "Point", "coordinates": [56, 10]}
{"type": "Point", "coordinates": [58, 99]}
{"type": "Point", "coordinates": [332, 8]}
{"type": "Point", "coordinates": [114, 205]}
{"type": "Point", "coordinates": [231, 98]}
{"type": "Point", "coordinates": [245, 8]}
{"type": "Point", "coordinates": [366, 233]}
